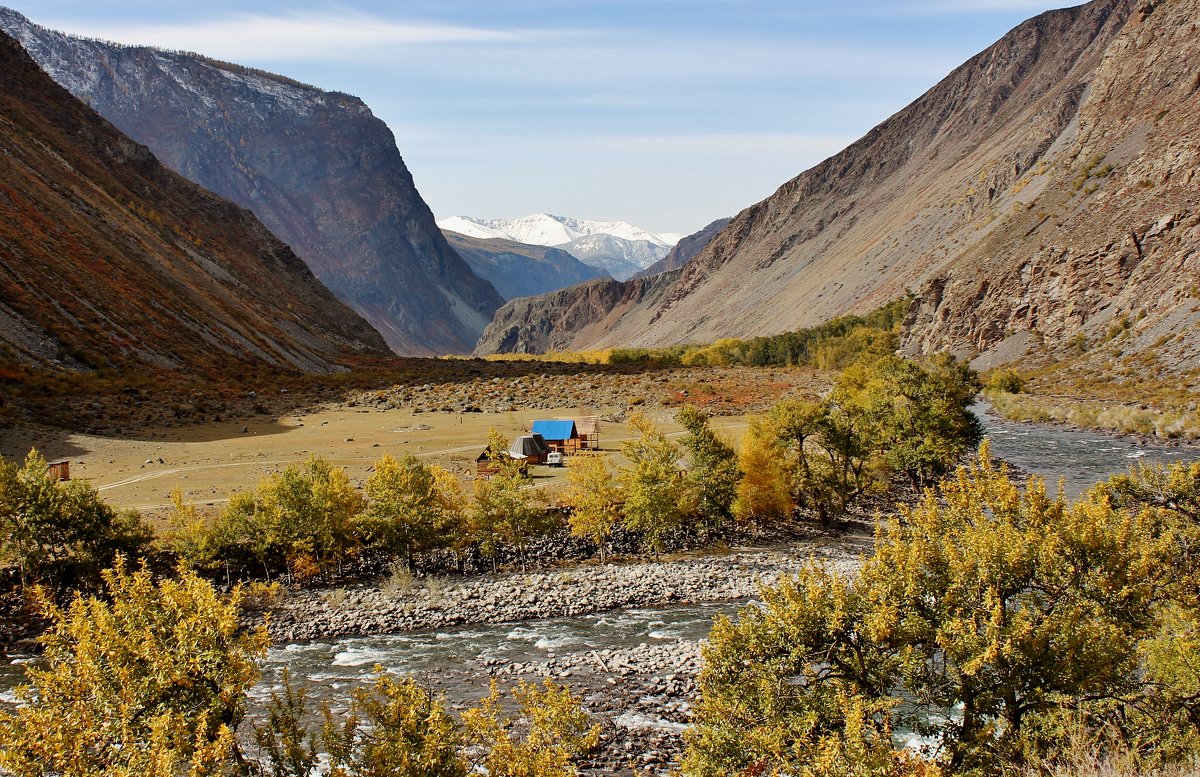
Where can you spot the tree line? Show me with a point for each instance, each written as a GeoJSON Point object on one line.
{"type": "Point", "coordinates": [885, 418]}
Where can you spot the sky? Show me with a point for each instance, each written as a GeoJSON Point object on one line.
{"type": "Point", "coordinates": [667, 114]}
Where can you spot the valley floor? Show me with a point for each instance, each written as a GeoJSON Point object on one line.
{"type": "Point", "coordinates": [226, 446]}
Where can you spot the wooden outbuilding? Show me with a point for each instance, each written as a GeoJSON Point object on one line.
{"type": "Point", "coordinates": [561, 436]}
{"type": "Point", "coordinates": [530, 448]}
{"type": "Point", "coordinates": [589, 432]}
{"type": "Point", "coordinates": [59, 470]}
{"type": "Point", "coordinates": [484, 466]}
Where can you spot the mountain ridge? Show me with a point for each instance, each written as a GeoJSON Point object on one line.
{"type": "Point", "coordinates": [518, 269]}
{"type": "Point", "coordinates": [316, 167]}
{"type": "Point", "coordinates": [952, 183]}
{"type": "Point", "coordinates": [616, 247]}
{"type": "Point", "coordinates": [108, 260]}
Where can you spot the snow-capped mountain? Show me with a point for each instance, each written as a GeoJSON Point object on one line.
{"type": "Point", "coordinates": [618, 247]}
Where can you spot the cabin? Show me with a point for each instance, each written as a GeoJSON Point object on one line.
{"type": "Point", "coordinates": [484, 466]}
{"type": "Point", "coordinates": [530, 448]}
{"type": "Point", "coordinates": [59, 470]}
{"type": "Point", "coordinates": [561, 436]}
{"type": "Point", "coordinates": [589, 432]}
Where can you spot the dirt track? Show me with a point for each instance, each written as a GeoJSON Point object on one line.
{"type": "Point", "coordinates": [210, 461]}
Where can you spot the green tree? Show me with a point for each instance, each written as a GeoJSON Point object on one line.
{"type": "Point", "coordinates": [594, 499]}
{"type": "Point", "coordinates": [556, 731]}
{"type": "Point", "coordinates": [658, 498]}
{"type": "Point", "coordinates": [504, 512]}
{"type": "Point", "coordinates": [915, 416]}
{"type": "Point", "coordinates": [817, 444]}
{"type": "Point", "coordinates": [151, 681]}
{"type": "Point", "coordinates": [410, 506]}
{"type": "Point", "coordinates": [60, 533]}
{"type": "Point", "coordinates": [712, 471]}
{"type": "Point", "coordinates": [305, 515]}
{"type": "Point", "coordinates": [987, 617]}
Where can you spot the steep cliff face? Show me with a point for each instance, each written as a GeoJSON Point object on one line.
{"type": "Point", "coordinates": [316, 167]}
{"type": "Point", "coordinates": [1110, 246]}
{"type": "Point", "coordinates": [110, 260]}
{"type": "Point", "coordinates": [960, 186]}
{"type": "Point", "coordinates": [561, 319]}
{"type": "Point", "coordinates": [686, 249]}
{"type": "Point", "coordinates": [521, 270]}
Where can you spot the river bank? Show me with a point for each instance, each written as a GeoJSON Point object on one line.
{"type": "Point", "coordinates": [626, 636]}
{"type": "Point", "coordinates": [385, 606]}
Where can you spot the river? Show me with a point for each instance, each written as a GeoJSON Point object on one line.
{"type": "Point", "coordinates": [586, 650]}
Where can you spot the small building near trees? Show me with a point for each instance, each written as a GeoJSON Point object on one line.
{"type": "Point", "coordinates": [560, 435]}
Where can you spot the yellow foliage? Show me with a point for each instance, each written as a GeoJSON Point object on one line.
{"type": "Point", "coordinates": [151, 681]}
{"type": "Point", "coordinates": [762, 493]}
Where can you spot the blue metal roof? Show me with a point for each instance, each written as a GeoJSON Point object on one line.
{"type": "Point", "coordinates": [555, 430]}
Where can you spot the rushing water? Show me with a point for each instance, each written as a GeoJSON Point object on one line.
{"type": "Point", "coordinates": [1080, 458]}
{"type": "Point", "coordinates": [456, 661]}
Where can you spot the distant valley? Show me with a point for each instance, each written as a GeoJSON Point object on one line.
{"type": "Point", "coordinates": [1039, 199]}
{"type": "Point", "coordinates": [619, 249]}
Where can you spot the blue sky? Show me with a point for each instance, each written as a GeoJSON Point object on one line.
{"type": "Point", "coordinates": [663, 113]}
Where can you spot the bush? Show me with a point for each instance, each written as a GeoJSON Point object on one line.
{"type": "Point", "coordinates": [151, 681]}
{"type": "Point", "coordinates": [989, 620]}
{"type": "Point", "coordinates": [1007, 381]}
{"type": "Point", "coordinates": [61, 533]}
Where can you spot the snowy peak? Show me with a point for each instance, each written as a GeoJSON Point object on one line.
{"type": "Point", "coordinates": [618, 247]}
{"type": "Point", "coordinates": [546, 229]}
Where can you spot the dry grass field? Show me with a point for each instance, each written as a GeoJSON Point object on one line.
{"type": "Point", "coordinates": [208, 461]}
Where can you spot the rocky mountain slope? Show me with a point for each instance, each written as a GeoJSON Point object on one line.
{"type": "Point", "coordinates": [618, 248]}
{"type": "Point", "coordinates": [521, 270]}
{"type": "Point", "coordinates": [1104, 260]}
{"type": "Point", "coordinates": [108, 260]}
{"type": "Point", "coordinates": [316, 167]}
{"type": "Point", "coordinates": [686, 249]}
{"type": "Point", "coordinates": [1042, 192]}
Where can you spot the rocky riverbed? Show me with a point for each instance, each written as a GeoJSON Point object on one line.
{"type": "Point", "coordinates": [625, 635]}
{"type": "Point", "coordinates": [388, 606]}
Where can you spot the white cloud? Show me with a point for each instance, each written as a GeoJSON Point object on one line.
{"type": "Point", "coordinates": [294, 36]}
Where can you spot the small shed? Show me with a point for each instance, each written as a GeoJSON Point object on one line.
{"type": "Point", "coordinates": [560, 435]}
{"type": "Point", "coordinates": [589, 432]}
{"type": "Point", "coordinates": [59, 470]}
{"type": "Point", "coordinates": [484, 466]}
{"type": "Point", "coordinates": [530, 448]}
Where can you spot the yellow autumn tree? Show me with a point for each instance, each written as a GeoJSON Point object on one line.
{"type": "Point", "coordinates": [594, 499]}
{"type": "Point", "coordinates": [555, 731]}
{"type": "Point", "coordinates": [989, 617]}
{"type": "Point", "coordinates": [762, 493]}
{"type": "Point", "coordinates": [410, 506]}
{"type": "Point", "coordinates": [149, 681]}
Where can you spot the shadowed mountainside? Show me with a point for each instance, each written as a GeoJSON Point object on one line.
{"type": "Point", "coordinates": [108, 260]}
{"type": "Point", "coordinates": [316, 167]}
{"type": "Point", "coordinates": [518, 269]}
{"type": "Point", "coordinates": [1042, 190]}
{"type": "Point", "coordinates": [686, 249]}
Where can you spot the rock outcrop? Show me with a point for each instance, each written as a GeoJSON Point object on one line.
{"type": "Point", "coordinates": [686, 249]}
{"type": "Point", "coordinates": [521, 270]}
{"type": "Point", "coordinates": [1109, 248]}
{"type": "Point", "coordinates": [316, 167]}
{"type": "Point", "coordinates": [1045, 189]}
{"type": "Point", "coordinates": [108, 260]}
